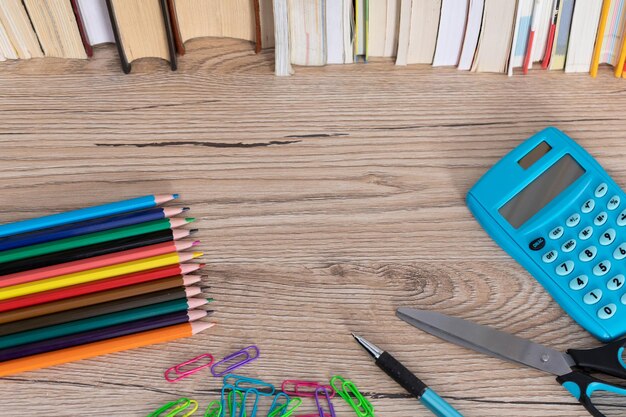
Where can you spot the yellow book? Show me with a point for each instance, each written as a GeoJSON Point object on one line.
{"type": "Point", "coordinates": [595, 61]}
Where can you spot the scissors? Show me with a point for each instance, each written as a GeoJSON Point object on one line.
{"type": "Point", "coordinates": [573, 369]}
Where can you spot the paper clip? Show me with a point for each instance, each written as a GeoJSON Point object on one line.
{"type": "Point", "coordinates": [249, 354]}
{"type": "Point", "coordinates": [349, 392]}
{"type": "Point", "coordinates": [285, 409]}
{"type": "Point", "coordinates": [244, 403]}
{"type": "Point", "coordinates": [214, 409]}
{"type": "Point", "coordinates": [320, 409]}
{"type": "Point", "coordinates": [244, 383]}
{"type": "Point", "coordinates": [298, 388]}
{"type": "Point", "coordinates": [175, 407]}
{"type": "Point", "coordinates": [180, 374]}
{"type": "Point", "coordinates": [229, 401]}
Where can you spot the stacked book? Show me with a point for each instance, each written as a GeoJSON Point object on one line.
{"type": "Point", "coordinates": [96, 280]}
{"type": "Point", "coordinates": [473, 35]}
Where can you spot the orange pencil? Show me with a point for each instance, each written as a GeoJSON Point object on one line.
{"type": "Point", "coordinates": [595, 60]}
{"type": "Point", "coordinates": [619, 68]}
{"type": "Point", "coordinates": [118, 344]}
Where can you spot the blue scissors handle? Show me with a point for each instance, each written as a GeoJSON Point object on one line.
{"type": "Point", "coordinates": [582, 386]}
{"type": "Point", "coordinates": [606, 359]}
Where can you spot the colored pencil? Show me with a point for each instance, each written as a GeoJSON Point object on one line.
{"type": "Point", "coordinates": [118, 344]}
{"type": "Point", "coordinates": [604, 16]}
{"type": "Point", "coordinates": [91, 239]}
{"type": "Point", "coordinates": [98, 309]}
{"type": "Point", "coordinates": [95, 262]}
{"type": "Point", "coordinates": [90, 251]}
{"type": "Point", "coordinates": [98, 322]}
{"type": "Point", "coordinates": [96, 274]}
{"type": "Point", "coordinates": [110, 209]}
{"type": "Point", "coordinates": [552, 32]}
{"type": "Point", "coordinates": [171, 319]}
{"type": "Point", "coordinates": [530, 45]}
{"type": "Point", "coordinates": [88, 226]}
{"type": "Point", "coordinates": [94, 287]}
{"type": "Point", "coordinates": [619, 68]}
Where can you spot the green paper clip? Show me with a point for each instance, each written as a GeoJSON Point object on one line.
{"type": "Point", "coordinates": [214, 409]}
{"type": "Point", "coordinates": [175, 407]}
{"type": "Point", "coordinates": [229, 401]}
{"type": "Point", "coordinates": [286, 409]}
{"type": "Point", "coordinates": [349, 392]}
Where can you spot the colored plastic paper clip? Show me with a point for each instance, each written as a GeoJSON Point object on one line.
{"type": "Point", "coordinates": [175, 407]}
{"type": "Point", "coordinates": [304, 388]}
{"type": "Point", "coordinates": [349, 392]}
{"type": "Point", "coordinates": [247, 394]}
{"type": "Point", "coordinates": [324, 392]}
{"type": "Point", "coordinates": [180, 373]}
{"type": "Point", "coordinates": [214, 409]}
{"type": "Point", "coordinates": [229, 401]}
{"type": "Point", "coordinates": [247, 355]}
{"type": "Point", "coordinates": [243, 383]}
{"type": "Point", "coordinates": [286, 408]}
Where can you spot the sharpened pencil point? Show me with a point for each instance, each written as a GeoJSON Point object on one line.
{"type": "Point", "coordinates": [193, 232]}
{"type": "Point", "coordinates": [186, 209]}
{"type": "Point", "coordinates": [175, 196]}
{"type": "Point", "coordinates": [197, 254]}
{"type": "Point", "coordinates": [200, 266]}
{"type": "Point", "coordinates": [190, 219]}
{"type": "Point", "coordinates": [195, 243]}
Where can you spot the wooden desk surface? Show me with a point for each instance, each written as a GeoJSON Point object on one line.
{"type": "Point", "coordinates": [325, 200]}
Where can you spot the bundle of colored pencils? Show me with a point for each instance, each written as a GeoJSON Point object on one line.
{"type": "Point", "coordinates": [96, 280]}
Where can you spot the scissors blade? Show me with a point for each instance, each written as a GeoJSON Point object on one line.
{"type": "Point", "coordinates": [489, 341]}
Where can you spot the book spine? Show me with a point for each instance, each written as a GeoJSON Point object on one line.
{"type": "Point", "coordinates": [81, 28]}
{"type": "Point", "coordinates": [170, 36]}
{"type": "Point", "coordinates": [178, 38]}
{"type": "Point", "coordinates": [257, 23]}
{"type": "Point", "coordinates": [118, 39]}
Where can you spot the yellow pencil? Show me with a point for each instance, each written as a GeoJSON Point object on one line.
{"type": "Point", "coordinates": [96, 274]}
{"type": "Point", "coordinates": [595, 61]}
{"type": "Point", "coordinates": [619, 69]}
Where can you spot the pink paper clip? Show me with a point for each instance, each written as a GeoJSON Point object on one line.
{"type": "Point", "coordinates": [180, 374]}
{"type": "Point", "coordinates": [295, 388]}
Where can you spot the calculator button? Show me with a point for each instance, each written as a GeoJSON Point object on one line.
{"type": "Point", "coordinates": [601, 190]}
{"type": "Point", "coordinates": [600, 219]}
{"type": "Point", "coordinates": [573, 220]}
{"type": "Point", "coordinates": [588, 206]}
{"type": "Point", "coordinates": [602, 268]}
{"type": "Point", "coordinates": [623, 299]}
{"type": "Point", "coordinates": [579, 282]}
{"type": "Point", "coordinates": [620, 252]}
{"type": "Point", "coordinates": [550, 257]}
{"type": "Point", "coordinates": [588, 254]}
{"type": "Point", "coordinates": [616, 282]}
{"type": "Point", "coordinates": [607, 311]}
{"type": "Point", "coordinates": [613, 202]}
{"type": "Point", "coordinates": [607, 237]}
{"type": "Point", "coordinates": [568, 246]}
{"type": "Point", "coordinates": [565, 268]}
{"type": "Point", "coordinates": [621, 219]}
{"type": "Point", "coordinates": [537, 244]}
{"type": "Point", "coordinates": [556, 233]}
{"type": "Point", "coordinates": [593, 296]}
{"type": "Point", "coordinates": [585, 233]}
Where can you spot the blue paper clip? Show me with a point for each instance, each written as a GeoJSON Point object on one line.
{"type": "Point", "coordinates": [247, 355]}
{"type": "Point", "coordinates": [331, 410]}
{"type": "Point", "coordinates": [214, 409]}
{"type": "Point", "coordinates": [244, 403]}
{"type": "Point", "coordinates": [243, 383]}
{"type": "Point", "coordinates": [228, 400]}
{"type": "Point", "coordinates": [175, 407]}
{"type": "Point", "coordinates": [285, 409]}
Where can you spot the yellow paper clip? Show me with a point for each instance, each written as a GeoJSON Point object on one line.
{"type": "Point", "coordinates": [349, 392]}
{"type": "Point", "coordinates": [214, 409]}
{"type": "Point", "coordinates": [175, 407]}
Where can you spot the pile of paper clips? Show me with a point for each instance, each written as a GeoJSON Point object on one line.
{"type": "Point", "coordinates": [241, 396]}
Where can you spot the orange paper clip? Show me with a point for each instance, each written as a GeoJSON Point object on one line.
{"type": "Point", "coordinates": [295, 388]}
{"type": "Point", "coordinates": [179, 373]}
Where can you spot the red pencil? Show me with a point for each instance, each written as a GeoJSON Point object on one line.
{"type": "Point", "coordinates": [531, 38]}
{"type": "Point", "coordinates": [551, 34]}
{"type": "Point", "coordinates": [96, 262]}
{"type": "Point", "coordinates": [95, 286]}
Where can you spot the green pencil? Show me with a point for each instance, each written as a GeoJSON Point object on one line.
{"type": "Point", "coordinates": [98, 322]}
{"type": "Point", "coordinates": [91, 239]}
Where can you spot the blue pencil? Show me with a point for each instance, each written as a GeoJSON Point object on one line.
{"type": "Point", "coordinates": [88, 213]}
{"type": "Point", "coordinates": [87, 226]}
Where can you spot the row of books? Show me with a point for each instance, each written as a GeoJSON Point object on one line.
{"type": "Point", "coordinates": [476, 35]}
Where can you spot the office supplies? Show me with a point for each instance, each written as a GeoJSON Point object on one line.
{"type": "Point", "coordinates": [228, 399]}
{"type": "Point", "coordinates": [104, 347]}
{"type": "Point", "coordinates": [175, 407]}
{"type": "Point", "coordinates": [553, 208]}
{"type": "Point", "coordinates": [96, 262]}
{"type": "Point", "coordinates": [98, 249]}
{"type": "Point", "coordinates": [408, 380]}
{"type": "Point", "coordinates": [551, 34]}
{"type": "Point", "coordinates": [243, 383]}
{"type": "Point", "coordinates": [572, 368]}
{"type": "Point", "coordinates": [89, 226]}
{"type": "Point", "coordinates": [214, 409]}
{"type": "Point", "coordinates": [97, 274]}
{"type": "Point", "coordinates": [619, 68]}
{"type": "Point", "coordinates": [171, 271]}
{"type": "Point", "coordinates": [531, 37]}
{"type": "Point", "coordinates": [297, 388]}
{"type": "Point", "coordinates": [279, 404]}
{"type": "Point", "coordinates": [92, 239]}
{"type": "Point", "coordinates": [98, 322]}
{"type": "Point", "coordinates": [327, 403]}
{"type": "Point", "coordinates": [109, 332]}
{"type": "Point", "coordinates": [88, 213]}
{"type": "Point", "coordinates": [351, 394]}
{"type": "Point", "coordinates": [179, 373]}
{"type": "Point", "coordinates": [247, 355]}
{"type": "Point", "coordinates": [97, 309]}
{"type": "Point", "coordinates": [597, 52]}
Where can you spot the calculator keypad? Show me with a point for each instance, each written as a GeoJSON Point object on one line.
{"type": "Point", "coordinates": [585, 252]}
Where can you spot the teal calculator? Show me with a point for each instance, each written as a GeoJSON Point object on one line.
{"type": "Point", "coordinates": [555, 210]}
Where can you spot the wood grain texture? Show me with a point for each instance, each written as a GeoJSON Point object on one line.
{"type": "Point", "coordinates": [325, 200]}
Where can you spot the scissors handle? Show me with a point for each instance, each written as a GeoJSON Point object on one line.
{"type": "Point", "coordinates": [583, 386]}
{"type": "Point", "coordinates": [606, 359]}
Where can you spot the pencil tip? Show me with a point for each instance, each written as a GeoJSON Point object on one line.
{"type": "Point", "coordinates": [195, 243]}
{"type": "Point", "coordinates": [190, 219]}
{"type": "Point", "coordinates": [186, 209]}
{"type": "Point", "coordinates": [193, 232]}
{"type": "Point", "coordinates": [175, 196]}
{"type": "Point", "coordinates": [197, 254]}
{"type": "Point", "coordinates": [200, 266]}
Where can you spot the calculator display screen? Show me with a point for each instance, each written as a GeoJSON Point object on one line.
{"type": "Point", "coordinates": [541, 191]}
